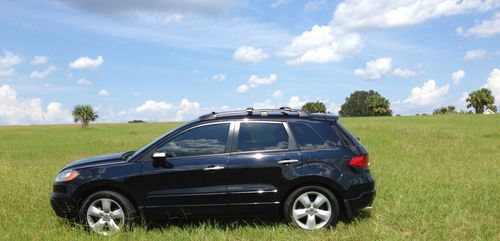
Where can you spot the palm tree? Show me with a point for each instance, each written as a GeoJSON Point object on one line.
{"type": "Point", "coordinates": [480, 99]}
{"type": "Point", "coordinates": [84, 114]}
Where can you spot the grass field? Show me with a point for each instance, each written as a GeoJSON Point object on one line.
{"type": "Point", "coordinates": [437, 178]}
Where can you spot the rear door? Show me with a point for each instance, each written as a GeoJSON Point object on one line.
{"type": "Point", "coordinates": [263, 160]}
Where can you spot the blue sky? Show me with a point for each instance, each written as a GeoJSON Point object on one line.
{"type": "Point", "coordinates": [174, 60]}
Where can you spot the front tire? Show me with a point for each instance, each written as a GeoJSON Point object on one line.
{"type": "Point", "coordinates": [312, 207]}
{"type": "Point", "coordinates": [107, 213]}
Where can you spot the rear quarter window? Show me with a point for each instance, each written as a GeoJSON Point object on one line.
{"type": "Point", "coordinates": [314, 135]}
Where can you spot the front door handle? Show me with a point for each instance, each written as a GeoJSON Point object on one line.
{"type": "Point", "coordinates": [288, 161]}
{"type": "Point", "coordinates": [213, 168]}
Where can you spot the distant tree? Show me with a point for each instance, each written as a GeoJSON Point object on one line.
{"type": "Point", "coordinates": [365, 103]}
{"type": "Point", "coordinates": [84, 114]}
{"type": "Point", "coordinates": [480, 100]}
{"type": "Point", "coordinates": [314, 107]}
{"type": "Point", "coordinates": [466, 112]}
{"type": "Point", "coordinates": [445, 110]}
{"type": "Point", "coordinates": [379, 105]}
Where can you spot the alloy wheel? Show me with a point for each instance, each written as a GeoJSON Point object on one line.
{"type": "Point", "coordinates": [311, 210]}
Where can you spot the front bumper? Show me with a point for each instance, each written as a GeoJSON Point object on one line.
{"type": "Point", "coordinates": [63, 206]}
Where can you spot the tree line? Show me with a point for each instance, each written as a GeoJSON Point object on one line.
{"type": "Point", "coordinates": [371, 103]}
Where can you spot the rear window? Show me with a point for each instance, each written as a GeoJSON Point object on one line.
{"type": "Point", "coordinates": [262, 136]}
{"type": "Point", "coordinates": [314, 135]}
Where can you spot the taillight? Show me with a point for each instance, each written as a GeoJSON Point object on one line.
{"type": "Point", "coordinates": [359, 161]}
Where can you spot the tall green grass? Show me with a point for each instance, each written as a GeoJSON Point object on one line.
{"type": "Point", "coordinates": [437, 178]}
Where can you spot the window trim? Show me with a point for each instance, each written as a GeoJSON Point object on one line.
{"type": "Point", "coordinates": [234, 148]}
{"type": "Point", "coordinates": [226, 148]}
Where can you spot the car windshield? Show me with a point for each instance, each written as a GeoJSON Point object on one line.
{"type": "Point", "coordinates": [157, 139]}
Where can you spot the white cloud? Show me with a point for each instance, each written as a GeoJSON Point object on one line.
{"type": "Point", "coordinates": [187, 108]}
{"type": "Point", "coordinates": [277, 101]}
{"type": "Point", "coordinates": [42, 74]}
{"type": "Point", "coordinates": [84, 81]}
{"type": "Point", "coordinates": [136, 93]}
{"type": "Point", "coordinates": [153, 106]}
{"type": "Point", "coordinates": [296, 102]}
{"type": "Point", "coordinates": [278, 94]}
{"type": "Point", "coordinates": [427, 95]}
{"type": "Point", "coordinates": [404, 73]}
{"type": "Point", "coordinates": [493, 83]}
{"type": "Point", "coordinates": [7, 61]}
{"type": "Point", "coordinates": [174, 18]}
{"type": "Point", "coordinates": [341, 38]}
{"type": "Point", "coordinates": [14, 111]}
{"type": "Point", "coordinates": [4, 73]}
{"type": "Point", "coordinates": [475, 54]}
{"type": "Point", "coordinates": [314, 5]}
{"type": "Point", "coordinates": [362, 14]}
{"type": "Point", "coordinates": [375, 69]}
{"type": "Point", "coordinates": [219, 77]}
{"type": "Point", "coordinates": [250, 54]}
{"type": "Point", "coordinates": [278, 3]}
{"type": "Point", "coordinates": [153, 110]}
{"type": "Point", "coordinates": [255, 81]}
{"type": "Point", "coordinates": [378, 68]}
{"type": "Point", "coordinates": [39, 60]}
{"type": "Point", "coordinates": [103, 93]}
{"type": "Point", "coordinates": [462, 102]}
{"type": "Point", "coordinates": [321, 45]}
{"type": "Point", "coordinates": [242, 89]}
{"type": "Point", "coordinates": [457, 76]}
{"type": "Point", "coordinates": [87, 63]}
{"type": "Point", "coordinates": [486, 28]}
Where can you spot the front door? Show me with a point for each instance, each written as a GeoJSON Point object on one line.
{"type": "Point", "coordinates": [191, 182]}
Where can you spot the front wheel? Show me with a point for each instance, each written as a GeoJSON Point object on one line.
{"type": "Point", "coordinates": [312, 207]}
{"type": "Point", "coordinates": [107, 213]}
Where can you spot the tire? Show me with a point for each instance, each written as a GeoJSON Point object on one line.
{"type": "Point", "coordinates": [107, 213]}
{"type": "Point", "coordinates": [308, 214]}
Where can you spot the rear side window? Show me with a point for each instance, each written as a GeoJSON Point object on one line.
{"type": "Point", "coordinates": [262, 136]}
{"type": "Point", "coordinates": [314, 135]}
{"type": "Point", "coordinates": [203, 140]}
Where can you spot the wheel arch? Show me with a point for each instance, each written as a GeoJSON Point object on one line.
{"type": "Point", "coordinates": [88, 189]}
{"type": "Point", "coordinates": [321, 182]}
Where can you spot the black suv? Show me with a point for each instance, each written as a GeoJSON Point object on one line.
{"type": "Point", "coordinates": [304, 167]}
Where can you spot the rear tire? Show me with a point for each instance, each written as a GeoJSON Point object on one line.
{"type": "Point", "coordinates": [311, 207]}
{"type": "Point", "coordinates": [107, 213]}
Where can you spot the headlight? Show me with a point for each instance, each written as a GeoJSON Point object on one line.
{"type": "Point", "coordinates": [66, 176]}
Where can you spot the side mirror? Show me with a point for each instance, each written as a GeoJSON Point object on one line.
{"type": "Point", "coordinates": [160, 160]}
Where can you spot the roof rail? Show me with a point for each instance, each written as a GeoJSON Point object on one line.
{"type": "Point", "coordinates": [264, 113]}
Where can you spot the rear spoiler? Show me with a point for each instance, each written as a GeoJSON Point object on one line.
{"type": "Point", "coordinates": [324, 117]}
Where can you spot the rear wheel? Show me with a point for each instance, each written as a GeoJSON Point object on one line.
{"type": "Point", "coordinates": [107, 213]}
{"type": "Point", "coordinates": [312, 207]}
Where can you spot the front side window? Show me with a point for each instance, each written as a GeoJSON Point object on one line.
{"type": "Point", "coordinates": [203, 140]}
{"type": "Point", "coordinates": [262, 136]}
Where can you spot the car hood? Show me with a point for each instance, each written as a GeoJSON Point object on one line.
{"type": "Point", "coordinates": [95, 161]}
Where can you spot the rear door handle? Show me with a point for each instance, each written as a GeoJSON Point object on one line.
{"type": "Point", "coordinates": [288, 161]}
{"type": "Point", "coordinates": [213, 168]}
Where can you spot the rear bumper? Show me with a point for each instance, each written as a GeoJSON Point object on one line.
{"type": "Point", "coordinates": [63, 206]}
{"type": "Point", "coordinates": [364, 200]}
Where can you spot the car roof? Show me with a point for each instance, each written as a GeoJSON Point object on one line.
{"type": "Point", "coordinates": [280, 113]}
